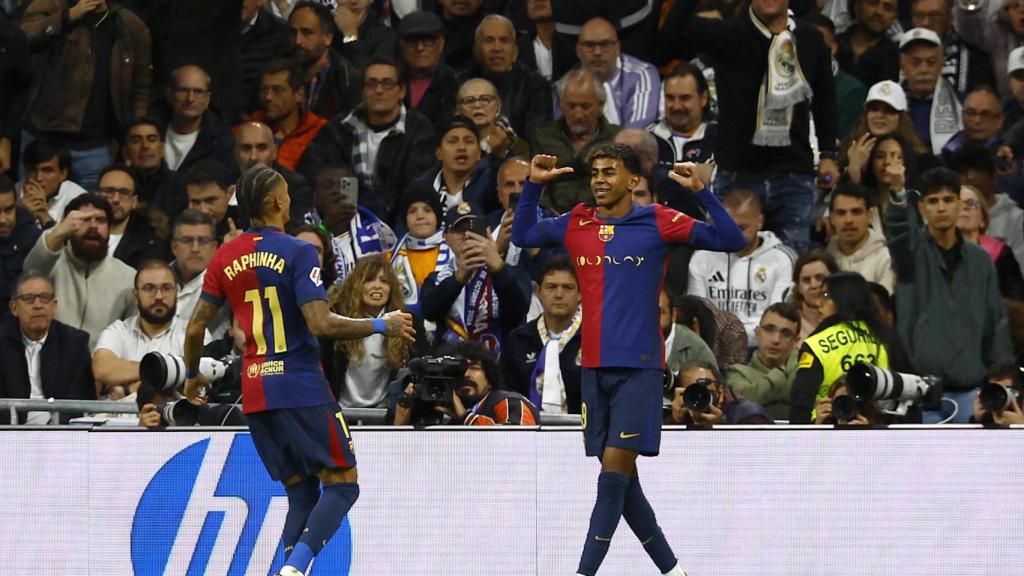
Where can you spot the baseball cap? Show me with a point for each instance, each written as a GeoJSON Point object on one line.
{"type": "Point", "coordinates": [1016, 60]}
{"type": "Point", "coordinates": [460, 213]}
{"type": "Point", "coordinates": [420, 23]}
{"type": "Point", "coordinates": [889, 92]}
{"type": "Point", "coordinates": [919, 35]}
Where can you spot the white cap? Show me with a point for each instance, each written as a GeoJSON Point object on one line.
{"type": "Point", "coordinates": [889, 92]}
{"type": "Point", "coordinates": [919, 35]}
{"type": "Point", "coordinates": [1016, 60]}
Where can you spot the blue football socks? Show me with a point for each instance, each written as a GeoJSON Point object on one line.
{"type": "Point", "coordinates": [302, 497]}
{"type": "Point", "coordinates": [640, 517]}
{"type": "Point", "coordinates": [323, 521]}
{"type": "Point", "coordinates": [611, 496]}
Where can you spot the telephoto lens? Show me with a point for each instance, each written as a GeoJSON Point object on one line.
{"type": "Point", "coordinates": [844, 407]}
{"type": "Point", "coordinates": [698, 397]}
{"type": "Point", "coordinates": [996, 397]}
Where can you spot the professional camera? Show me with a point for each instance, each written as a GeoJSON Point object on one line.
{"type": "Point", "coordinates": [436, 377]}
{"type": "Point", "coordinates": [844, 407]}
{"type": "Point", "coordinates": [182, 413]}
{"type": "Point", "coordinates": [165, 371]}
{"type": "Point", "coordinates": [995, 397]}
{"type": "Point", "coordinates": [896, 391]}
{"type": "Point", "coordinates": [699, 396]}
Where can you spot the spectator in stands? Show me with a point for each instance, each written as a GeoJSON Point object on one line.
{"type": "Point", "coordinates": [966, 65]}
{"type": "Point", "coordinates": [18, 233]}
{"type": "Point", "coordinates": [682, 343]}
{"type": "Point", "coordinates": [633, 85]}
{"type": "Point", "coordinates": [282, 91]}
{"type": "Point", "coordinates": [461, 19]}
{"type": "Point", "coordinates": [422, 250]}
{"type": "Point", "coordinates": [747, 282]}
{"type": "Point", "coordinates": [156, 328]}
{"type": "Point", "coordinates": [983, 122]}
{"type": "Point", "coordinates": [460, 175]}
{"type": "Point", "coordinates": [478, 99]}
{"type": "Point", "coordinates": [536, 47]}
{"type": "Point", "coordinates": [1013, 103]}
{"type": "Point", "coordinates": [949, 311]}
{"type": "Point", "coordinates": [850, 91]}
{"type": "Point", "coordinates": [47, 188]}
{"type": "Point", "coordinates": [855, 245]}
{"type": "Point", "coordinates": [355, 230]}
{"type": "Point", "coordinates": [481, 399]}
{"type": "Point", "coordinates": [687, 133]}
{"type": "Point", "coordinates": [719, 329]}
{"type": "Point", "coordinates": [195, 132]}
{"type": "Point", "coordinates": [432, 85]}
{"type": "Point", "coordinates": [765, 147]}
{"type": "Point", "coordinates": [541, 359]}
{"type": "Point", "coordinates": [209, 191]}
{"type": "Point", "coordinates": [15, 86]}
{"type": "Point", "coordinates": [132, 238]}
{"type": "Point", "coordinates": [892, 167]}
{"type": "Point", "coordinates": [851, 331]}
{"type": "Point", "coordinates": [332, 82]}
{"type": "Point", "coordinates": [361, 369]}
{"type": "Point", "coordinates": [934, 104]}
{"type": "Point", "coordinates": [41, 357]}
{"type": "Point", "coordinates": [193, 243]}
{"type": "Point", "coordinates": [511, 176]}
{"type": "Point", "coordinates": [320, 240]}
{"type": "Point", "coordinates": [143, 149]}
{"type": "Point", "coordinates": [93, 286]}
{"type": "Point", "coordinates": [255, 144]}
{"type": "Point", "coordinates": [503, 293]}
{"type": "Point", "coordinates": [581, 128]}
{"type": "Point", "coordinates": [387, 145]}
{"type": "Point", "coordinates": [995, 27]}
{"type": "Point", "coordinates": [1006, 374]}
{"type": "Point", "coordinates": [865, 49]}
{"type": "Point", "coordinates": [768, 378]}
{"type": "Point", "coordinates": [93, 77]}
{"type": "Point", "coordinates": [727, 407]}
{"type": "Point", "coordinates": [525, 95]}
{"type": "Point", "coordinates": [654, 175]}
{"type": "Point", "coordinates": [972, 223]}
{"type": "Point", "coordinates": [642, 194]}
{"type": "Point", "coordinates": [363, 34]}
{"type": "Point", "coordinates": [264, 38]}
{"type": "Point", "coordinates": [809, 273]}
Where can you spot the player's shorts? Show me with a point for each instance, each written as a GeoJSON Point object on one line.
{"type": "Point", "coordinates": [622, 408]}
{"type": "Point", "coordinates": [302, 441]}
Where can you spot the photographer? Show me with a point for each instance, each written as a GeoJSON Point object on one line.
{"type": "Point", "coordinates": [831, 410]}
{"type": "Point", "coordinates": [167, 407]}
{"type": "Point", "coordinates": [476, 397]}
{"type": "Point", "coordinates": [1006, 374]}
{"type": "Point", "coordinates": [725, 406]}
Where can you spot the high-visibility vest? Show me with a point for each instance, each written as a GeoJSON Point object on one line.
{"type": "Point", "coordinates": [841, 346]}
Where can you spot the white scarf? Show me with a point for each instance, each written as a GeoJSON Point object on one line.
{"type": "Point", "coordinates": [944, 119]}
{"type": "Point", "coordinates": [782, 87]}
{"type": "Point", "coordinates": [403, 269]}
{"type": "Point", "coordinates": [547, 375]}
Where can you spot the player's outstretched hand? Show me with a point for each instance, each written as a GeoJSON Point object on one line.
{"type": "Point", "coordinates": [195, 390]}
{"type": "Point", "coordinates": [543, 170]}
{"type": "Point", "coordinates": [400, 324]}
{"type": "Point", "coordinates": [685, 174]}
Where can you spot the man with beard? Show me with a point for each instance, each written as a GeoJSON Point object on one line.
{"type": "Point", "coordinates": [865, 49]}
{"type": "Point", "coordinates": [333, 84]}
{"type": "Point", "coordinates": [479, 399]}
{"type": "Point", "coordinates": [132, 239]}
{"type": "Point", "coordinates": [93, 286]}
{"type": "Point", "coordinates": [156, 328]}
{"type": "Point", "coordinates": [255, 144]}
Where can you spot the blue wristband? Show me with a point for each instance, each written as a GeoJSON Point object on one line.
{"type": "Point", "coordinates": [379, 326]}
{"type": "Point", "coordinates": [191, 375]}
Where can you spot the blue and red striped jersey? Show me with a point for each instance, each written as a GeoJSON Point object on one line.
{"type": "Point", "coordinates": [266, 277]}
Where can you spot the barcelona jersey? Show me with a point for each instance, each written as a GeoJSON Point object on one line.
{"type": "Point", "coordinates": [266, 277]}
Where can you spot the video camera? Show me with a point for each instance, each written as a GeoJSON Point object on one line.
{"type": "Point", "coordinates": [896, 391]}
{"type": "Point", "coordinates": [435, 379]}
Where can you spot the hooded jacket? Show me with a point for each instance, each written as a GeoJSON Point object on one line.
{"type": "Point", "coordinates": [872, 260]}
{"type": "Point", "coordinates": [747, 285]}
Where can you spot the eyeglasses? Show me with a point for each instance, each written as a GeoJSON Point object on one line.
{"type": "Point", "coordinates": [202, 241]}
{"type": "Point", "coordinates": [152, 289]}
{"type": "Point", "coordinates": [972, 204]}
{"type": "Point", "coordinates": [44, 297]}
{"type": "Point", "coordinates": [772, 329]}
{"type": "Point", "coordinates": [110, 192]}
{"type": "Point", "coordinates": [197, 92]}
{"type": "Point", "coordinates": [986, 115]}
{"type": "Point", "coordinates": [386, 83]}
{"type": "Point", "coordinates": [591, 45]}
{"type": "Point", "coordinates": [484, 100]}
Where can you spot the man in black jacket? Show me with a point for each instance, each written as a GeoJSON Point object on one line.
{"type": "Point", "coordinates": [195, 131]}
{"type": "Point", "coordinates": [432, 86]}
{"type": "Point", "coordinates": [363, 33]}
{"type": "Point", "coordinates": [158, 192]}
{"type": "Point", "coordinates": [333, 83]}
{"type": "Point", "coordinates": [264, 38]}
{"type": "Point", "coordinates": [132, 238]}
{"type": "Point", "coordinates": [15, 83]}
{"type": "Point", "coordinates": [40, 357]}
{"type": "Point", "coordinates": [18, 233]}
{"type": "Point", "coordinates": [766, 148]}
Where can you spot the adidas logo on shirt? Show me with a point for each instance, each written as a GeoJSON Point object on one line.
{"type": "Point", "coordinates": [717, 277]}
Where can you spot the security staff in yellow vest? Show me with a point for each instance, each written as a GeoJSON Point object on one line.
{"type": "Point", "coordinates": [851, 331]}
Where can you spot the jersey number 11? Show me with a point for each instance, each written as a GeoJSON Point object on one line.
{"type": "Point", "coordinates": [270, 294]}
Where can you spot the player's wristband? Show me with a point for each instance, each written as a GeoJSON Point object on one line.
{"type": "Point", "coordinates": [380, 326]}
{"type": "Point", "coordinates": [191, 374]}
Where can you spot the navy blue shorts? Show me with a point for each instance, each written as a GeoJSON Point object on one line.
{"type": "Point", "coordinates": [302, 441]}
{"type": "Point", "coordinates": [622, 408]}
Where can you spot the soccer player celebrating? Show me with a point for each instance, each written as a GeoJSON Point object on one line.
{"type": "Point", "coordinates": [272, 283]}
{"type": "Point", "coordinates": [619, 250]}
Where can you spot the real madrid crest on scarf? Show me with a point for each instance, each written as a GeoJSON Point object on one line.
{"type": "Point", "coordinates": [606, 232]}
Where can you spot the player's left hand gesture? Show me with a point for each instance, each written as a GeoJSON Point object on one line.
{"type": "Point", "coordinates": [685, 174]}
{"type": "Point", "coordinates": [399, 324]}
{"type": "Point", "coordinates": [195, 390]}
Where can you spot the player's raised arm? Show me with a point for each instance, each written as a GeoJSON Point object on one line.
{"type": "Point", "coordinates": [720, 233]}
{"type": "Point", "coordinates": [528, 229]}
{"type": "Point", "coordinates": [326, 324]}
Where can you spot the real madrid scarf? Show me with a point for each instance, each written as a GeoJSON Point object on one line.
{"type": "Point", "coordinates": [782, 87]}
{"type": "Point", "coordinates": [403, 269]}
{"type": "Point", "coordinates": [548, 389]}
{"type": "Point", "coordinates": [944, 119]}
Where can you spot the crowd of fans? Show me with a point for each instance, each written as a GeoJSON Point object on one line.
{"type": "Point", "coordinates": [870, 151]}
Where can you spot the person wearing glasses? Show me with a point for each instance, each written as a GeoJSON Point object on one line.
{"type": "Point", "coordinates": [194, 130]}
{"type": "Point", "coordinates": [156, 328]}
{"type": "Point", "coordinates": [768, 378]}
{"type": "Point", "coordinates": [972, 223]}
{"type": "Point", "coordinates": [478, 99]}
{"type": "Point", "coordinates": [431, 84]}
{"type": "Point", "coordinates": [41, 357]}
{"type": "Point", "coordinates": [851, 331]}
{"type": "Point", "coordinates": [193, 243]}
{"type": "Point", "coordinates": [132, 238]}
{"type": "Point", "coordinates": [983, 123]}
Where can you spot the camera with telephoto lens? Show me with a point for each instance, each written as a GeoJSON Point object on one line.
{"type": "Point", "coordinates": [896, 391]}
{"type": "Point", "coordinates": [995, 398]}
{"type": "Point", "coordinates": [699, 396]}
{"type": "Point", "coordinates": [181, 412]}
{"type": "Point", "coordinates": [165, 371]}
{"type": "Point", "coordinates": [844, 407]}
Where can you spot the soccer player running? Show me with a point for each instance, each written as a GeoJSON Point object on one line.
{"type": "Point", "coordinates": [619, 250]}
{"type": "Point", "coordinates": [272, 283]}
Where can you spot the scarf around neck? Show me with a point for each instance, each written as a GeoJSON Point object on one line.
{"type": "Point", "coordinates": [782, 87]}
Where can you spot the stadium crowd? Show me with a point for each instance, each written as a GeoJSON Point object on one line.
{"type": "Point", "coordinates": [869, 150]}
